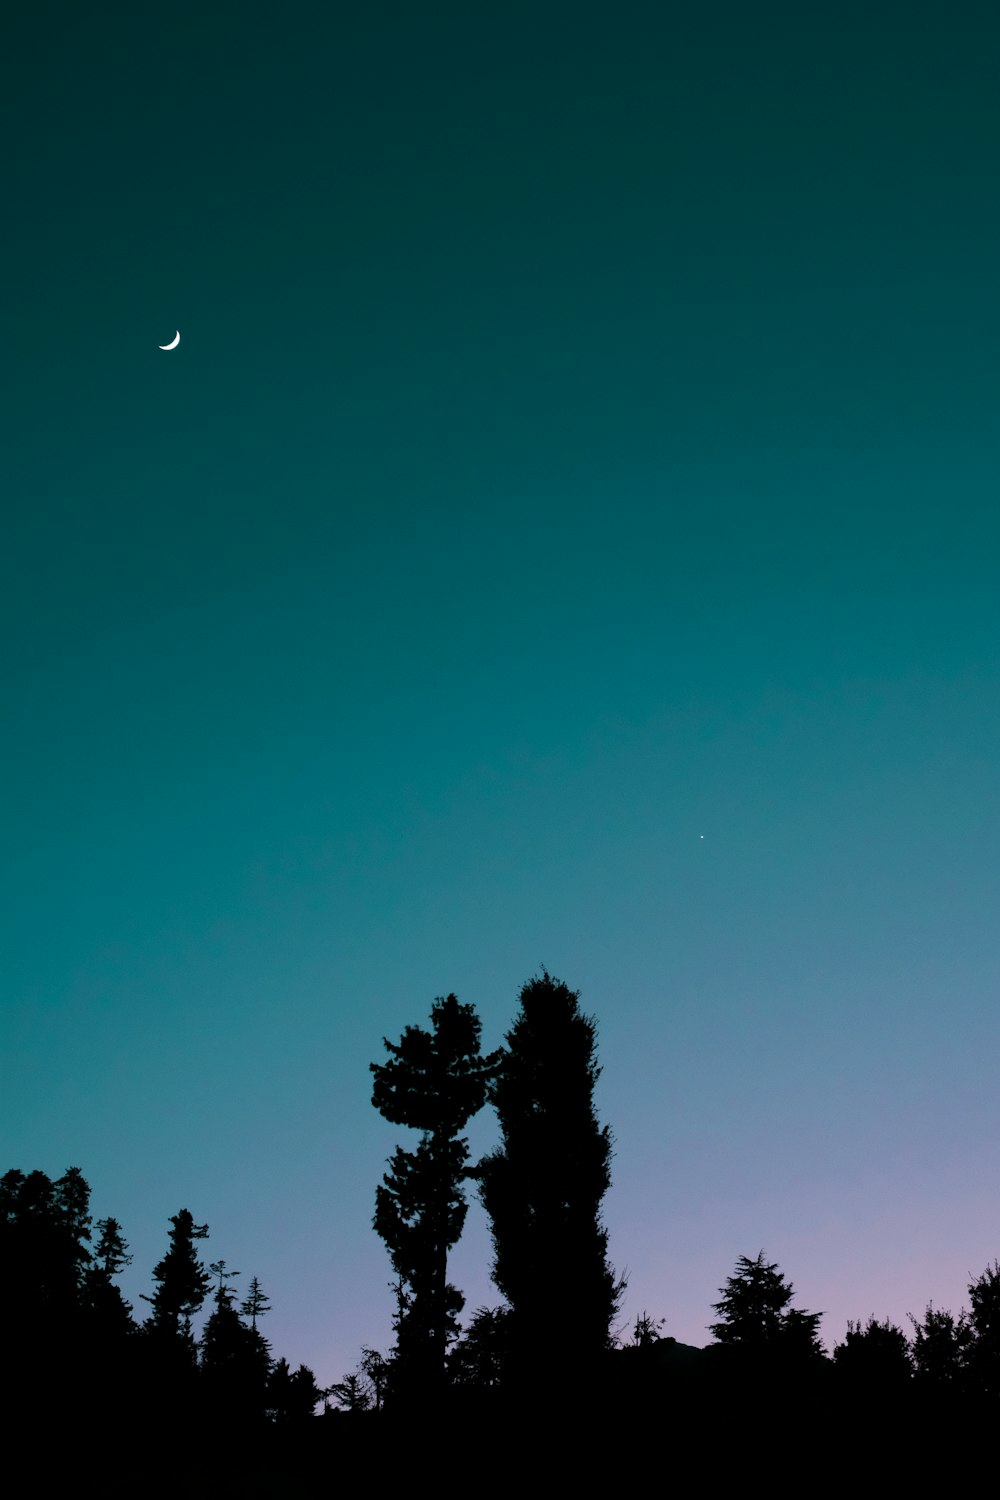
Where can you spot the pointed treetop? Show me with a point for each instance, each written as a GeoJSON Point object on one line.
{"type": "Point", "coordinates": [223, 1294]}
{"type": "Point", "coordinates": [183, 1280]}
{"type": "Point", "coordinates": [112, 1251]}
{"type": "Point", "coordinates": [754, 1309]}
{"type": "Point", "coordinates": [255, 1304]}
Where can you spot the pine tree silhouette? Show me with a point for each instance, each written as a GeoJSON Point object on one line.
{"type": "Point", "coordinates": [755, 1314]}
{"type": "Point", "coordinates": [543, 1187]}
{"type": "Point", "coordinates": [183, 1284]}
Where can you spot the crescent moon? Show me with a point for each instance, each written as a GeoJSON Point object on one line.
{"type": "Point", "coordinates": [173, 342]}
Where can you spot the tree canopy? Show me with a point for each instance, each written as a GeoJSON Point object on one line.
{"type": "Point", "coordinates": [876, 1354]}
{"type": "Point", "coordinates": [755, 1313]}
{"type": "Point", "coordinates": [543, 1185]}
{"type": "Point", "coordinates": [434, 1081]}
{"type": "Point", "coordinates": [183, 1281]}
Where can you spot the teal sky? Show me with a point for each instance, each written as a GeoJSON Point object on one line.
{"type": "Point", "coordinates": [566, 533]}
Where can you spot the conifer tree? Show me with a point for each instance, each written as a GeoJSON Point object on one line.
{"type": "Point", "coordinates": [352, 1393]}
{"type": "Point", "coordinates": [234, 1358]}
{"type": "Point", "coordinates": [543, 1186]}
{"type": "Point", "coordinates": [50, 1322]}
{"type": "Point", "coordinates": [111, 1253]}
{"type": "Point", "coordinates": [112, 1315]}
{"type": "Point", "coordinates": [183, 1282]}
{"type": "Point", "coordinates": [71, 1205]}
{"type": "Point", "coordinates": [255, 1304]}
{"type": "Point", "coordinates": [291, 1395]}
{"type": "Point", "coordinates": [433, 1082]}
{"type": "Point", "coordinates": [44, 1230]}
{"type": "Point", "coordinates": [755, 1314]}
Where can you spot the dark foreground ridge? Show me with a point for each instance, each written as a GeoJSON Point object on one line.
{"type": "Point", "coordinates": [721, 1427]}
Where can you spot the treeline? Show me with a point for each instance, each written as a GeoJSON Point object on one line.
{"type": "Point", "coordinates": [74, 1342]}
{"type": "Point", "coordinates": [553, 1336]}
{"type": "Point", "coordinates": [552, 1343]}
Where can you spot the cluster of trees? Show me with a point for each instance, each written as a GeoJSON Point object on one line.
{"type": "Point", "coordinates": [70, 1317]}
{"type": "Point", "coordinates": [944, 1353]}
{"type": "Point", "coordinates": [542, 1188]}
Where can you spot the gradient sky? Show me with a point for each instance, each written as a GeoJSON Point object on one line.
{"type": "Point", "coordinates": [567, 533]}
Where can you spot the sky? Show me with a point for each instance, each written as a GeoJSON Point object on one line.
{"type": "Point", "coordinates": [566, 534]}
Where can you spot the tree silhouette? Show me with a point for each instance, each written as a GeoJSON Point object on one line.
{"type": "Point", "coordinates": [111, 1253]}
{"type": "Point", "coordinates": [875, 1356]}
{"type": "Point", "coordinates": [374, 1368]}
{"type": "Point", "coordinates": [646, 1331]}
{"type": "Point", "coordinates": [64, 1319]}
{"type": "Point", "coordinates": [291, 1395]}
{"type": "Point", "coordinates": [44, 1258]}
{"type": "Point", "coordinates": [183, 1283]}
{"type": "Point", "coordinates": [543, 1185]}
{"type": "Point", "coordinates": [256, 1303]}
{"type": "Point", "coordinates": [234, 1358]}
{"type": "Point", "coordinates": [479, 1357]}
{"type": "Point", "coordinates": [984, 1316]}
{"type": "Point", "coordinates": [433, 1082]}
{"type": "Point", "coordinates": [44, 1229]}
{"type": "Point", "coordinates": [112, 1315]}
{"type": "Point", "coordinates": [941, 1347]}
{"type": "Point", "coordinates": [71, 1206]}
{"type": "Point", "coordinates": [352, 1393]}
{"type": "Point", "coordinates": [755, 1314]}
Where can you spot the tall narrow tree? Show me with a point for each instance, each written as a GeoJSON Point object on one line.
{"type": "Point", "coordinates": [111, 1314]}
{"type": "Point", "coordinates": [183, 1282]}
{"type": "Point", "coordinates": [255, 1304]}
{"type": "Point", "coordinates": [433, 1082]}
{"type": "Point", "coordinates": [543, 1186]}
{"type": "Point", "coordinates": [984, 1316]}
